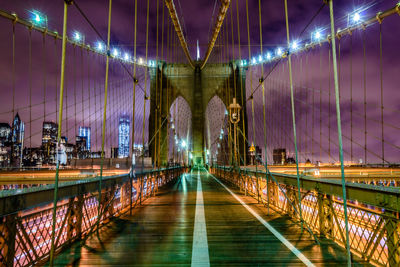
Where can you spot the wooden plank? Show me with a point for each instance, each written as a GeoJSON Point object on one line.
{"type": "Point", "coordinates": [160, 232]}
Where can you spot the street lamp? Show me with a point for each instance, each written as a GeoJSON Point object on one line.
{"type": "Point", "coordinates": [78, 37]}
{"type": "Point", "coordinates": [38, 19]}
{"type": "Point", "coordinates": [234, 117]}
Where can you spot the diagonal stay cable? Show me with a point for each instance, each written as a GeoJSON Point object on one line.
{"type": "Point", "coordinates": [286, 53]}
{"type": "Point", "coordinates": [103, 40]}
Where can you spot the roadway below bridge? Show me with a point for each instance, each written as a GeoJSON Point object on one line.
{"type": "Point", "coordinates": [199, 221]}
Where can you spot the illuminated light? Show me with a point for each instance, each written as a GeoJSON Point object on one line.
{"type": "Point", "coordinates": [140, 60]}
{"type": "Point", "coordinates": [259, 58]}
{"type": "Point", "coordinates": [208, 152]}
{"type": "Point", "coordinates": [253, 61]}
{"type": "Point", "coordinates": [279, 51]}
{"type": "Point", "coordinates": [172, 126]}
{"type": "Point", "coordinates": [176, 141]}
{"type": "Point", "coordinates": [190, 156]}
{"type": "Point", "coordinates": [77, 36]}
{"type": "Point", "coordinates": [295, 45]}
{"type": "Point", "coordinates": [219, 145]}
{"type": "Point", "coordinates": [126, 56]}
{"type": "Point", "coordinates": [317, 35]}
{"type": "Point", "coordinates": [115, 52]}
{"type": "Point", "coordinates": [356, 17]}
{"type": "Point", "coordinates": [268, 55]}
{"type": "Point", "coordinates": [100, 46]}
{"type": "Point", "coordinates": [183, 144]}
{"type": "Point", "coordinates": [37, 18]}
{"type": "Point", "coordinates": [226, 112]}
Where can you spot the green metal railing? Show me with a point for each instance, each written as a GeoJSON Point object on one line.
{"type": "Point", "coordinates": [26, 215]}
{"type": "Point", "coordinates": [373, 211]}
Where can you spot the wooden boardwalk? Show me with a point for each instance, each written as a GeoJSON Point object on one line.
{"type": "Point", "coordinates": [163, 232]}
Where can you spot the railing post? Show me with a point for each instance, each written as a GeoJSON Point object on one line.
{"type": "Point", "coordinates": [291, 193]}
{"type": "Point", "coordinates": [7, 240]}
{"type": "Point", "coordinates": [124, 194]}
{"type": "Point", "coordinates": [392, 228]}
{"type": "Point", "coordinates": [246, 184]}
{"type": "Point", "coordinates": [74, 223]}
{"type": "Point", "coordinates": [325, 216]}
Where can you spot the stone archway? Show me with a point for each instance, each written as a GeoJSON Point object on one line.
{"type": "Point", "coordinates": [180, 129]}
{"type": "Point", "coordinates": [197, 87]}
{"type": "Point", "coordinates": [215, 118]}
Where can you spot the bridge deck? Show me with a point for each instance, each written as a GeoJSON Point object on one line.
{"type": "Point", "coordinates": [162, 232]}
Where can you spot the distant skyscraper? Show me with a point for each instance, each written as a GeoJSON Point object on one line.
{"type": "Point", "coordinates": [123, 137]}
{"type": "Point", "coordinates": [17, 139]}
{"type": "Point", "coordinates": [5, 133]}
{"type": "Point", "coordinates": [49, 132]}
{"type": "Point", "coordinates": [85, 132]}
{"type": "Point", "coordinates": [5, 138]}
{"type": "Point", "coordinates": [80, 147]}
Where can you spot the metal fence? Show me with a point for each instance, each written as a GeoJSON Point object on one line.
{"type": "Point", "coordinates": [374, 223]}
{"type": "Point", "coordinates": [26, 217]}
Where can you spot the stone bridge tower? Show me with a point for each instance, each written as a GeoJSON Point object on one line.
{"type": "Point", "coordinates": [197, 87]}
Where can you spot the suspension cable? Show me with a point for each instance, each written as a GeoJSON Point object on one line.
{"type": "Point", "coordinates": [103, 135]}
{"type": "Point", "coordinates": [145, 83]}
{"type": "Point", "coordinates": [218, 24]}
{"type": "Point", "coordinates": [55, 200]}
{"type": "Point", "coordinates": [172, 12]}
{"type": "Point", "coordinates": [339, 129]}
{"type": "Point", "coordinates": [293, 113]}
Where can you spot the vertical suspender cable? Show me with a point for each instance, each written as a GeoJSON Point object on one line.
{"type": "Point", "coordinates": [13, 68]}
{"type": "Point", "coordinates": [263, 102]}
{"type": "Point", "coordinates": [82, 91]}
{"type": "Point", "coordinates": [365, 95]}
{"type": "Point", "coordinates": [313, 120]}
{"type": "Point", "coordinates": [74, 74]}
{"type": "Point", "coordinates": [161, 83]}
{"type": "Point", "coordinates": [89, 145]}
{"type": "Point", "coordinates": [251, 72]}
{"type": "Point", "coordinates": [133, 109]}
{"type": "Point", "coordinates": [54, 217]}
{"type": "Point", "coordinates": [320, 105]}
{"type": "Point", "coordinates": [252, 97]}
{"type": "Point", "coordinates": [293, 112]}
{"type": "Point", "coordinates": [66, 107]}
{"type": "Point", "coordinates": [351, 97]}
{"type": "Point", "coordinates": [103, 133]}
{"type": "Point", "coordinates": [234, 89]}
{"type": "Point", "coordinates": [56, 80]}
{"type": "Point", "coordinates": [156, 140]}
{"type": "Point", "coordinates": [133, 102]}
{"type": "Point", "coordinates": [44, 76]}
{"type": "Point", "coordinates": [241, 89]}
{"type": "Point", "coordinates": [339, 128]}
{"type": "Point", "coordinates": [145, 84]}
{"type": "Point", "coordinates": [329, 104]}
{"type": "Point", "coordinates": [30, 87]}
{"type": "Point", "coordinates": [381, 81]}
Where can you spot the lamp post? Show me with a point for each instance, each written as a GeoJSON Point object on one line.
{"type": "Point", "coordinates": [234, 117]}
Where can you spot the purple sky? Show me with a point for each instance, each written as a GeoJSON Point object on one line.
{"type": "Point", "coordinates": [85, 71]}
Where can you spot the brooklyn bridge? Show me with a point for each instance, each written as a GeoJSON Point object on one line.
{"type": "Point", "coordinates": [224, 133]}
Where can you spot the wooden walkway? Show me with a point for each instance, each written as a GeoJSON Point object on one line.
{"type": "Point", "coordinates": [169, 230]}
